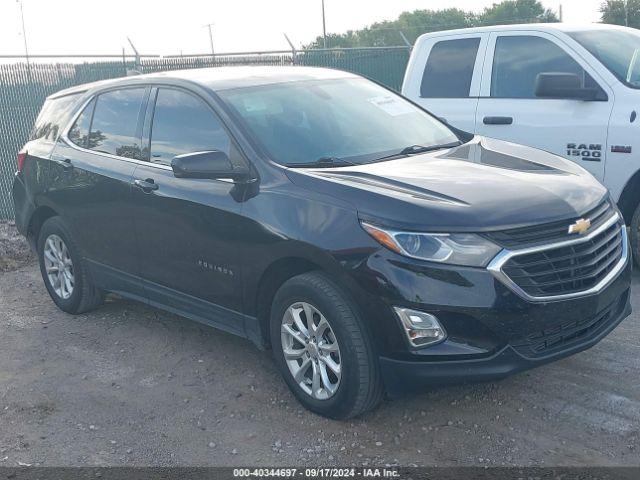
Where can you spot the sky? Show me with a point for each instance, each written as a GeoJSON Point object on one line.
{"type": "Point", "coordinates": [171, 27]}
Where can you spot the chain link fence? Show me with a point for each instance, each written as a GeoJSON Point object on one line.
{"type": "Point", "coordinates": [24, 87]}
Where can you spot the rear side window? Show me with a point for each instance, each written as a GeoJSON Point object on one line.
{"type": "Point", "coordinates": [449, 69]}
{"type": "Point", "coordinates": [115, 123]}
{"type": "Point", "coordinates": [183, 123]}
{"type": "Point", "coordinates": [79, 133]}
{"type": "Point", "coordinates": [53, 117]}
{"type": "Point", "coordinates": [519, 59]}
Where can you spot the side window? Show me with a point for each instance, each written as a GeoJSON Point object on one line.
{"type": "Point", "coordinates": [53, 117]}
{"type": "Point", "coordinates": [449, 69]}
{"type": "Point", "coordinates": [182, 124]}
{"type": "Point", "coordinates": [518, 60]}
{"type": "Point", "coordinates": [115, 122]}
{"type": "Point", "coordinates": [79, 133]}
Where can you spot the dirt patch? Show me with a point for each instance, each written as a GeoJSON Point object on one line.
{"type": "Point", "coordinates": [128, 385]}
{"type": "Point", "coordinates": [14, 248]}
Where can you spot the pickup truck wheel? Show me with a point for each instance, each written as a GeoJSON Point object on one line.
{"type": "Point", "coordinates": [635, 235]}
{"type": "Point", "coordinates": [323, 349]}
{"type": "Point", "coordinates": [63, 271]}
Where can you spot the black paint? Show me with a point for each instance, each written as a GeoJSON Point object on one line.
{"type": "Point", "coordinates": [158, 245]}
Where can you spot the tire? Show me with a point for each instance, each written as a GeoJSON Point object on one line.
{"type": "Point", "coordinates": [359, 388]}
{"type": "Point", "coordinates": [635, 236]}
{"type": "Point", "coordinates": [82, 296]}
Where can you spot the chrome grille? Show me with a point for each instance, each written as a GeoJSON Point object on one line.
{"type": "Point", "coordinates": [568, 268]}
{"type": "Point", "coordinates": [550, 232]}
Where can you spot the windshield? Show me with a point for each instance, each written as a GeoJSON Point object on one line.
{"type": "Point", "coordinates": [617, 50]}
{"type": "Point", "coordinates": [353, 120]}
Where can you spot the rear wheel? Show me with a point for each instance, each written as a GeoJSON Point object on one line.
{"type": "Point", "coordinates": [63, 271]}
{"type": "Point", "coordinates": [323, 349]}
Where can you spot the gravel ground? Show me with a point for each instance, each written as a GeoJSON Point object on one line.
{"type": "Point", "coordinates": [14, 250]}
{"type": "Point", "coordinates": [131, 385]}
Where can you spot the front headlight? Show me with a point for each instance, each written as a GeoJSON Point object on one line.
{"type": "Point", "coordinates": [452, 248]}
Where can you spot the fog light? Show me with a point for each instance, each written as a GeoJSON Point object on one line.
{"type": "Point", "coordinates": [421, 328]}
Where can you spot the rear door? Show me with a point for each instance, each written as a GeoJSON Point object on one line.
{"type": "Point", "coordinates": [187, 228]}
{"type": "Point", "coordinates": [509, 109]}
{"type": "Point", "coordinates": [33, 180]}
{"type": "Point", "coordinates": [91, 172]}
{"type": "Point", "coordinates": [449, 84]}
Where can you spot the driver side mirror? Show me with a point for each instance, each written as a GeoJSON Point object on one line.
{"type": "Point", "coordinates": [566, 86]}
{"type": "Point", "coordinates": [212, 164]}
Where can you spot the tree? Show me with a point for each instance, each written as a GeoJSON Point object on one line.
{"type": "Point", "coordinates": [413, 24]}
{"type": "Point", "coordinates": [517, 11]}
{"type": "Point", "coordinates": [613, 11]}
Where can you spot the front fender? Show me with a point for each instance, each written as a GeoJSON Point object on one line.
{"type": "Point", "coordinates": [322, 233]}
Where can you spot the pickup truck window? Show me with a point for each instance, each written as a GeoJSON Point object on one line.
{"type": "Point", "coordinates": [449, 69]}
{"type": "Point", "coordinates": [617, 50]}
{"type": "Point", "coordinates": [519, 59]}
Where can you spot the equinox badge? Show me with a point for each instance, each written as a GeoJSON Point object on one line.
{"type": "Point", "coordinates": [581, 226]}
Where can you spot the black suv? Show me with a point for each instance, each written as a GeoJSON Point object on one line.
{"type": "Point", "coordinates": [371, 246]}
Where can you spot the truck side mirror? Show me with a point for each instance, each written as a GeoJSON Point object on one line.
{"type": "Point", "coordinates": [566, 86]}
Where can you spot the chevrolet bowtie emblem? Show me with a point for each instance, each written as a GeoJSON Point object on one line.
{"type": "Point", "coordinates": [581, 226]}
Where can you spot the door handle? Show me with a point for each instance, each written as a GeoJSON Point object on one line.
{"type": "Point", "coordinates": [147, 186]}
{"type": "Point", "coordinates": [497, 120]}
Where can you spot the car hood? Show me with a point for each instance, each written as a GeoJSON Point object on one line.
{"type": "Point", "coordinates": [482, 185]}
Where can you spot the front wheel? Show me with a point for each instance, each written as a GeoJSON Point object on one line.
{"type": "Point", "coordinates": [323, 349]}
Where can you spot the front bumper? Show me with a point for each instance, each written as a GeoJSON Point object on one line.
{"type": "Point", "coordinates": [492, 331]}
{"type": "Point", "coordinates": [402, 376]}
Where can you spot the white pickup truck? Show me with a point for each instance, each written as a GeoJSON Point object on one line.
{"type": "Point", "coordinates": [571, 90]}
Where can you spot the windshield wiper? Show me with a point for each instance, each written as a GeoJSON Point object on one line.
{"type": "Point", "coordinates": [322, 162]}
{"type": "Point", "coordinates": [414, 149]}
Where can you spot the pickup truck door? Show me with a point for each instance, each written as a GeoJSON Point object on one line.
{"type": "Point", "coordinates": [448, 83]}
{"type": "Point", "coordinates": [509, 110]}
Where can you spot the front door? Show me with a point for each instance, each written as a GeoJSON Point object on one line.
{"type": "Point", "coordinates": [187, 228]}
{"type": "Point", "coordinates": [509, 109]}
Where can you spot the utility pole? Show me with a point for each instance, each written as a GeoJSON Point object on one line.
{"type": "Point", "coordinates": [137, 64]}
{"type": "Point", "coordinates": [626, 13]}
{"type": "Point", "coordinates": [209, 25]}
{"type": "Point", "coordinates": [324, 26]}
{"type": "Point", "coordinates": [24, 33]}
{"type": "Point", "coordinates": [293, 49]}
{"type": "Point", "coordinates": [404, 39]}
{"type": "Point", "coordinates": [561, 15]}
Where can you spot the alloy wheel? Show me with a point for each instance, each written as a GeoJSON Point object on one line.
{"type": "Point", "coordinates": [59, 267]}
{"type": "Point", "coordinates": [311, 350]}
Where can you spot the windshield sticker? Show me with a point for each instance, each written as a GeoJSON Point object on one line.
{"type": "Point", "coordinates": [256, 104]}
{"type": "Point", "coordinates": [392, 106]}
